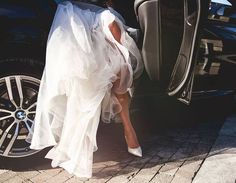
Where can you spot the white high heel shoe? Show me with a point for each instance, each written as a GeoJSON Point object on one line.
{"type": "Point", "coordinates": [135, 151]}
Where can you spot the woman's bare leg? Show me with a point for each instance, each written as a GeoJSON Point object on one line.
{"type": "Point", "coordinates": [130, 135]}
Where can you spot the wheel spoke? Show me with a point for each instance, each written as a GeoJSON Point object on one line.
{"type": "Point", "coordinates": [5, 117]}
{"type": "Point", "coordinates": [19, 88]}
{"type": "Point", "coordinates": [6, 111]}
{"type": "Point", "coordinates": [28, 127]}
{"type": "Point", "coordinates": [32, 105]}
{"type": "Point", "coordinates": [32, 112]}
{"type": "Point", "coordinates": [7, 150]}
{"type": "Point", "coordinates": [30, 120]}
{"type": "Point", "coordinates": [5, 133]}
{"type": "Point", "coordinates": [9, 90]}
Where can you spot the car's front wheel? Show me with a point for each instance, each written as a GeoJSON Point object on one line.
{"type": "Point", "coordinates": [19, 85]}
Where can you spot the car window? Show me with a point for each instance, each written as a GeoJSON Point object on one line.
{"type": "Point", "coordinates": [225, 2]}
{"type": "Point", "coordinates": [90, 1]}
{"type": "Point", "coordinates": [29, 6]}
{"type": "Point", "coordinates": [16, 8]}
{"type": "Point", "coordinates": [25, 3]}
{"type": "Point", "coordinates": [225, 8]}
{"type": "Point", "coordinates": [58, 1]}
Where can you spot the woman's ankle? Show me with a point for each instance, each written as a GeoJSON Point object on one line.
{"type": "Point", "coordinates": [131, 139]}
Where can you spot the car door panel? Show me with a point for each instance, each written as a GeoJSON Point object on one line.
{"type": "Point", "coordinates": [175, 26]}
{"type": "Point", "coordinates": [148, 12]}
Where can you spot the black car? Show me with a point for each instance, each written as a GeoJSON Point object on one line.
{"type": "Point", "coordinates": [188, 48]}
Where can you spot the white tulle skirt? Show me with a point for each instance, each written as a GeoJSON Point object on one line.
{"type": "Point", "coordinates": [83, 60]}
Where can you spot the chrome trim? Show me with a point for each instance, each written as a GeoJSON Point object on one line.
{"type": "Point", "coordinates": [171, 93]}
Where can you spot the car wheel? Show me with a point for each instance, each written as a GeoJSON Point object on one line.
{"type": "Point", "coordinates": [19, 85]}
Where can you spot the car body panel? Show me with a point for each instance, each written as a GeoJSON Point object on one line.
{"type": "Point", "coordinates": [216, 65]}
{"type": "Point", "coordinates": [26, 25]}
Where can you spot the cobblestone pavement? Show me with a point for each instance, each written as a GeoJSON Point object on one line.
{"type": "Point", "coordinates": [220, 164]}
{"type": "Point", "coordinates": [173, 151]}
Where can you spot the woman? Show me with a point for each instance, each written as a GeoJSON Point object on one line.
{"type": "Point", "coordinates": [90, 65]}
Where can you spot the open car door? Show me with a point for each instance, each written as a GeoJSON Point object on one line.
{"type": "Point", "coordinates": [170, 41]}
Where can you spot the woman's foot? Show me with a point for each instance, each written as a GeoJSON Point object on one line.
{"type": "Point", "coordinates": [135, 151]}
{"type": "Point", "coordinates": [132, 143]}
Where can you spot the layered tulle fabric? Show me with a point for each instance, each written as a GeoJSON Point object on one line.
{"type": "Point", "coordinates": [83, 60]}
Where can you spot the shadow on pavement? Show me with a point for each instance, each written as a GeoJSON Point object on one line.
{"type": "Point", "coordinates": [170, 133]}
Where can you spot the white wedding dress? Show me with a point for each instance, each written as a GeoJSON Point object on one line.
{"type": "Point", "coordinates": [82, 61]}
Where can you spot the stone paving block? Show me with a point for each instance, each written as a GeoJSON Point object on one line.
{"type": "Point", "coordinates": [15, 179]}
{"type": "Point", "coordinates": [97, 167]}
{"type": "Point", "coordinates": [43, 167]}
{"type": "Point", "coordinates": [97, 180]}
{"type": "Point", "coordinates": [106, 173]}
{"type": "Point", "coordinates": [151, 152]}
{"type": "Point", "coordinates": [180, 139]}
{"type": "Point", "coordinates": [200, 157]}
{"type": "Point", "coordinates": [224, 145]}
{"type": "Point", "coordinates": [125, 174]}
{"type": "Point", "coordinates": [200, 151]}
{"type": "Point", "coordinates": [194, 138]}
{"type": "Point", "coordinates": [217, 169]}
{"type": "Point", "coordinates": [3, 171]}
{"type": "Point", "coordinates": [53, 171]}
{"type": "Point", "coordinates": [27, 181]}
{"type": "Point", "coordinates": [42, 177]}
{"type": "Point", "coordinates": [140, 161]}
{"type": "Point", "coordinates": [181, 179]}
{"type": "Point", "coordinates": [209, 127]}
{"type": "Point", "coordinates": [60, 177]}
{"type": "Point", "coordinates": [7, 175]}
{"type": "Point", "coordinates": [119, 179]}
{"type": "Point", "coordinates": [220, 164]}
{"type": "Point", "coordinates": [156, 160]}
{"type": "Point", "coordinates": [127, 160]}
{"type": "Point", "coordinates": [186, 172]}
{"type": "Point", "coordinates": [154, 149]}
{"type": "Point", "coordinates": [184, 152]}
{"type": "Point", "coordinates": [207, 139]}
{"type": "Point", "coordinates": [171, 168]}
{"type": "Point", "coordinates": [229, 127]}
{"type": "Point", "coordinates": [162, 178]}
{"type": "Point", "coordinates": [123, 178]}
{"type": "Point", "coordinates": [104, 164]}
{"type": "Point", "coordinates": [146, 173]}
{"type": "Point", "coordinates": [75, 180]}
{"type": "Point", "coordinates": [171, 135]}
{"type": "Point", "coordinates": [166, 152]}
{"type": "Point", "coordinates": [164, 141]}
{"type": "Point", "coordinates": [28, 174]}
{"type": "Point", "coordinates": [130, 171]}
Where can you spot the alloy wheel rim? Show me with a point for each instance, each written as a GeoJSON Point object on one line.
{"type": "Point", "coordinates": [18, 100]}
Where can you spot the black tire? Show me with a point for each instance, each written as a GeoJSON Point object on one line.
{"type": "Point", "coordinates": [19, 77]}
